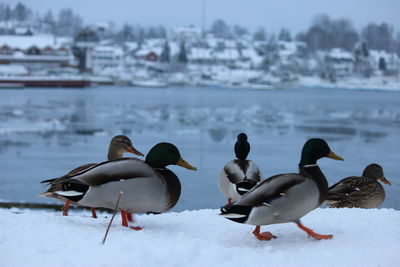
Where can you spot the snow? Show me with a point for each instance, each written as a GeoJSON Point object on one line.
{"type": "Point", "coordinates": [13, 70]}
{"type": "Point", "coordinates": [197, 238]}
{"type": "Point", "coordinates": [40, 41]}
{"type": "Point", "coordinates": [353, 83]}
{"type": "Point", "coordinates": [340, 54]}
{"type": "Point", "coordinates": [199, 53]}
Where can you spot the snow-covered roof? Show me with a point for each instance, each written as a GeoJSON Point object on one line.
{"type": "Point", "coordinates": [337, 53]}
{"type": "Point", "coordinates": [131, 45]}
{"type": "Point", "coordinates": [198, 53]}
{"type": "Point", "coordinates": [21, 57]}
{"type": "Point", "coordinates": [252, 54]}
{"type": "Point", "coordinates": [22, 30]}
{"type": "Point", "coordinates": [227, 54]}
{"type": "Point", "coordinates": [154, 42]}
{"type": "Point", "coordinates": [147, 50]}
{"type": "Point", "coordinates": [40, 41]}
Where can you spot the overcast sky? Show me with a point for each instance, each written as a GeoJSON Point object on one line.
{"type": "Point", "coordinates": [295, 15]}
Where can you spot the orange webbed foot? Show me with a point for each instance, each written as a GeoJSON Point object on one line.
{"type": "Point", "coordinates": [264, 236]}
{"type": "Point", "coordinates": [312, 233]}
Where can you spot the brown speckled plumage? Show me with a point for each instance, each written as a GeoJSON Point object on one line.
{"type": "Point", "coordinates": [358, 192]}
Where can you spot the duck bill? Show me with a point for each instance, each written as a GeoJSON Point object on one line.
{"type": "Point", "coordinates": [334, 156]}
{"type": "Point", "coordinates": [181, 162]}
{"type": "Point", "coordinates": [134, 151]}
{"type": "Point", "coordinates": [383, 180]}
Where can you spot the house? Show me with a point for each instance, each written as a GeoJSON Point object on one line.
{"type": "Point", "coordinates": [387, 63]}
{"type": "Point", "coordinates": [150, 50]}
{"type": "Point", "coordinates": [148, 54]}
{"type": "Point", "coordinates": [36, 53]}
{"type": "Point", "coordinates": [338, 63]}
{"type": "Point", "coordinates": [106, 56]}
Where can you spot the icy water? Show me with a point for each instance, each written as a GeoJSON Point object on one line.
{"type": "Point", "coordinates": [44, 133]}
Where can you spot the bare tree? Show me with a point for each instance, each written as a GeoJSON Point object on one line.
{"type": "Point", "coordinates": [260, 35]}
{"type": "Point", "coordinates": [68, 23]}
{"type": "Point", "coordinates": [284, 35]}
{"type": "Point", "coordinates": [220, 29]}
{"type": "Point", "coordinates": [378, 37]}
{"type": "Point", "coordinates": [239, 31]}
{"type": "Point", "coordinates": [325, 33]}
{"type": "Point", "coordinates": [21, 12]}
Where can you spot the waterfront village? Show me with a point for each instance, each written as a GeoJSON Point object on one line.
{"type": "Point", "coordinates": [185, 56]}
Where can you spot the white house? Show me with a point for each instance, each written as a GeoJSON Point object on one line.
{"type": "Point", "coordinates": [339, 62]}
{"type": "Point", "coordinates": [107, 56]}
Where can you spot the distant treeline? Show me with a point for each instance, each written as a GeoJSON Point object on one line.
{"type": "Point", "coordinates": [324, 32]}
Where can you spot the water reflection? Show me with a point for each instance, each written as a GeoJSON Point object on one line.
{"type": "Point", "coordinates": [217, 134]}
{"type": "Point", "coordinates": [55, 131]}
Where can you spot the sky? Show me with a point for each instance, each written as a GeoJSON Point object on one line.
{"type": "Point", "coordinates": [296, 15]}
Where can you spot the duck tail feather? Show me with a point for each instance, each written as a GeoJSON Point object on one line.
{"type": "Point", "coordinates": [48, 181]}
{"type": "Point", "coordinates": [236, 213]}
{"type": "Point", "coordinates": [71, 189]}
{"type": "Point", "coordinates": [245, 186]}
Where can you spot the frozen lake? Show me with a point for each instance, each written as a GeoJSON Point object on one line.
{"type": "Point", "coordinates": [44, 133]}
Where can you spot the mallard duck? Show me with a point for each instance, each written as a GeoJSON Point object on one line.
{"type": "Point", "coordinates": [359, 192]}
{"type": "Point", "coordinates": [147, 186]}
{"type": "Point", "coordinates": [239, 175]}
{"type": "Point", "coordinates": [119, 145]}
{"type": "Point", "coordinates": [285, 197]}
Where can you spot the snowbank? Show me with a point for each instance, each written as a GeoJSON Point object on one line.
{"type": "Point", "coordinates": [197, 238]}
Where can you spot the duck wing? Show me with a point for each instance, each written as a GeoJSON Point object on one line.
{"type": "Point", "coordinates": [75, 186]}
{"type": "Point", "coordinates": [235, 171]}
{"type": "Point", "coordinates": [69, 174]}
{"type": "Point", "coordinates": [270, 189]}
{"type": "Point", "coordinates": [355, 192]}
{"type": "Point", "coordinates": [115, 170]}
{"type": "Point", "coordinates": [349, 185]}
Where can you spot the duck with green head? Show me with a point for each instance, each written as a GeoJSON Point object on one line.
{"type": "Point", "coordinates": [147, 186]}
{"type": "Point", "coordinates": [239, 175]}
{"type": "Point", "coordinates": [285, 197]}
{"type": "Point", "coordinates": [119, 145]}
{"type": "Point", "coordinates": [359, 192]}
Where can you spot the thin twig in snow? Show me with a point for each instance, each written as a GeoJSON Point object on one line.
{"type": "Point", "coordinates": [112, 218]}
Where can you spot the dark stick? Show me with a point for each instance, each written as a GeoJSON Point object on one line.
{"type": "Point", "coordinates": [112, 218]}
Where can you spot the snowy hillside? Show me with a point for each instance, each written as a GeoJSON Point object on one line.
{"type": "Point", "coordinates": [197, 238]}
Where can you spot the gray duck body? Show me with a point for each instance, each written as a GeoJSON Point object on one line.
{"type": "Point", "coordinates": [145, 189]}
{"type": "Point", "coordinates": [281, 198]}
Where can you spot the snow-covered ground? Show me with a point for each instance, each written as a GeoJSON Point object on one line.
{"type": "Point", "coordinates": [197, 238]}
